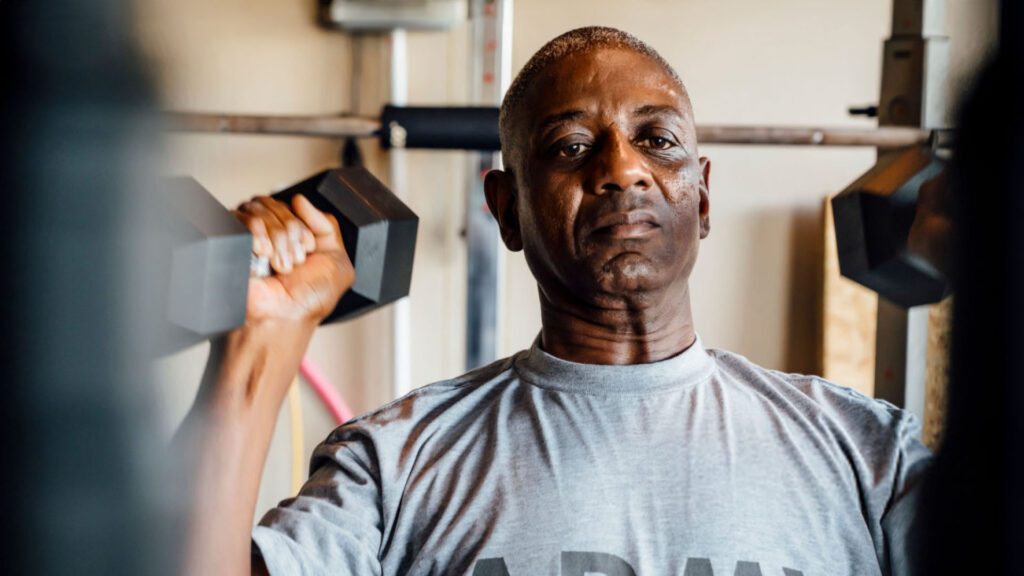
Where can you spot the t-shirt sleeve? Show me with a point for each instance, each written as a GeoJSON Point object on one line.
{"type": "Point", "coordinates": [883, 444]}
{"type": "Point", "coordinates": [334, 525]}
{"type": "Point", "coordinates": [913, 459]}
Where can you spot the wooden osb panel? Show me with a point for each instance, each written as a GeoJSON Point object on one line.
{"type": "Point", "coordinates": [848, 322]}
{"type": "Point", "coordinates": [940, 336]}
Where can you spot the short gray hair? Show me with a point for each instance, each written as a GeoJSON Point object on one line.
{"type": "Point", "coordinates": [569, 43]}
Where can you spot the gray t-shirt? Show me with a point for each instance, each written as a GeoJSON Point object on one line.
{"type": "Point", "coordinates": [702, 464]}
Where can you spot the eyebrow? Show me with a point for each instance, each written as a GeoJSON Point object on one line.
{"type": "Point", "coordinates": [559, 118]}
{"type": "Point", "coordinates": [646, 110]}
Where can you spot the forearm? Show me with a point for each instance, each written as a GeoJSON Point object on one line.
{"type": "Point", "coordinates": [226, 437]}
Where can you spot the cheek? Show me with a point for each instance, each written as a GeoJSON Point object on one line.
{"type": "Point", "coordinates": [683, 195]}
{"type": "Point", "coordinates": [554, 206]}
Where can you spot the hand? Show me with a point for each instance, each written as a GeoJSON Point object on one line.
{"type": "Point", "coordinates": [306, 252]}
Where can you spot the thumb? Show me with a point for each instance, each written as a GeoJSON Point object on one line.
{"type": "Point", "coordinates": [323, 226]}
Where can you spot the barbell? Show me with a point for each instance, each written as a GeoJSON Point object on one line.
{"type": "Point", "coordinates": [476, 128]}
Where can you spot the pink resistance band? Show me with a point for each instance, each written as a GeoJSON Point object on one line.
{"type": "Point", "coordinates": [328, 394]}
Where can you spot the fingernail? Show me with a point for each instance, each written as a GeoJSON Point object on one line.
{"type": "Point", "coordinates": [259, 266]}
{"type": "Point", "coordinates": [296, 240]}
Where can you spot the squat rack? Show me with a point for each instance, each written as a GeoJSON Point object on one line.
{"type": "Point", "coordinates": [912, 111]}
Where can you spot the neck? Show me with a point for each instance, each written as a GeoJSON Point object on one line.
{"type": "Point", "coordinates": [629, 332]}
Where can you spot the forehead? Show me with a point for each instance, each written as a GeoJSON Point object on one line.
{"type": "Point", "coordinates": [601, 82]}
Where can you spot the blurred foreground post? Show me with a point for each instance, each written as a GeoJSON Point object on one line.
{"type": "Point", "coordinates": [85, 483]}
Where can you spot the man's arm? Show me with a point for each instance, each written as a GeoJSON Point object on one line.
{"type": "Point", "coordinates": [227, 434]}
{"type": "Point", "coordinates": [910, 461]}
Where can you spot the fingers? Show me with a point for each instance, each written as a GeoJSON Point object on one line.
{"type": "Point", "coordinates": [305, 249]}
{"type": "Point", "coordinates": [308, 236]}
{"type": "Point", "coordinates": [277, 233]}
{"type": "Point", "coordinates": [293, 228]}
{"type": "Point", "coordinates": [261, 245]}
{"type": "Point", "coordinates": [322, 226]}
{"type": "Point", "coordinates": [286, 236]}
{"type": "Point", "coordinates": [328, 238]}
{"type": "Point", "coordinates": [281, 255]}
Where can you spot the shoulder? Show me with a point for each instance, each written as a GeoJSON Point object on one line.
{"type": "Point", "coordinates": [880, 440]}
{"type": "Point", "coordinates": [817, 397]}
{"type": "Point", "coordinates": [386, 442]}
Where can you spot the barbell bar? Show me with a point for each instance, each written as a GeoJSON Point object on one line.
{"type": "Point", "coordinates": [476, 128]}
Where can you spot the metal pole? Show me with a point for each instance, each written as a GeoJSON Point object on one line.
{"type": "Point", "coordinates": [503, 79]}
{"type": "Point", "coordinates": [894, 137]}
{"type": "Point", "coordinates": [315, 126]}
{"type": "Point", "coordinates": [914, 96]}
{"type": "Point", "coordinates": [401, 317]}
{"type": "Point", "coordinates": [490, 67]}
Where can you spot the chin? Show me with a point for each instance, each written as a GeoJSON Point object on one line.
{"type": "Point", "coordinates": [629, 274]}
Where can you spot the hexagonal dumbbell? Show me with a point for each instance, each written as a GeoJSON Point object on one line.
{"type": "Point", "coordinates": [873, 221]}
{"type": "Point", "coordinates": [379, 233]}
{"type": "Point", "coordinates": [211, 258]}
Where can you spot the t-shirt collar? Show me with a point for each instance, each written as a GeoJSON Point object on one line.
{"type": "Point", "coordinates": [687, 368]}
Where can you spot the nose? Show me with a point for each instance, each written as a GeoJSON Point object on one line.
{"type": "Point", "coordinates": [620, 166]}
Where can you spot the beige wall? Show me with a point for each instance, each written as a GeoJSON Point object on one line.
{"type": "Point", "coordinates": [745, 61]}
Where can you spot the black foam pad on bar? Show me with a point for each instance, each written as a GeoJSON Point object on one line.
{"type": "Point", "coordinates": [440, 128]}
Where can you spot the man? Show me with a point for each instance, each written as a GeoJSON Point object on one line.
{"type": "Point", "coordinates": [617, 444]}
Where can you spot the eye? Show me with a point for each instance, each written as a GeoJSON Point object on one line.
{"type": "Point", "coordinates": [658, 142]}
{"type": "Point", "coordinates": [573, 150]}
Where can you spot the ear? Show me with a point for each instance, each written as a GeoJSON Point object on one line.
{"type": "Point", "coordinates": [705, 197]}
{"type": "Point", "coordinates": [502, 199]}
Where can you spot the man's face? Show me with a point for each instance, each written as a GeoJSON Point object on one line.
{"type": "Point", "coordinates": [611, 198]}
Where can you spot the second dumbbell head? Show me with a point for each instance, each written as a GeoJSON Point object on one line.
{"type": "Point", "coordinates": [378, 229]}
{"type": "Point", "coordinates": [874, 217]}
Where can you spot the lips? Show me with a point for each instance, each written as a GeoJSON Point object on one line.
{"type": "Point", "coordinates": [632, 224]}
